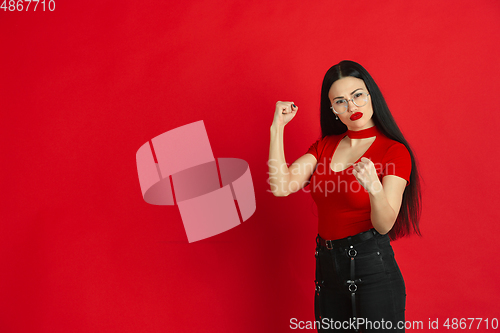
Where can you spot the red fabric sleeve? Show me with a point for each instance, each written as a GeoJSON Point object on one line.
{"type": "Point", "coordinates": [314, 150]}
{"type": "Point", "coordinates": [397, 162]}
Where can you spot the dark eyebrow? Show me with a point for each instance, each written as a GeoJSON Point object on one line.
{"type": "Point", "coordinates": [351, 93]}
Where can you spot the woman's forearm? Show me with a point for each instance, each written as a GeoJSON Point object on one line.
{"type": "Point", "coordinates": [382, 215]}
{"type": "Point", "coordinates": [279, 174]}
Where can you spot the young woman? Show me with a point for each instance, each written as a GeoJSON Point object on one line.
{"type": "Point", "coordinates": [363, 177]}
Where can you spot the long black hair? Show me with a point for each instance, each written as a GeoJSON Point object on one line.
{"type": "Point", "coordinates": [408, 218]}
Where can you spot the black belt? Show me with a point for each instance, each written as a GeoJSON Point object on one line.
{"type": "Point", "coordinates": [344, 242]}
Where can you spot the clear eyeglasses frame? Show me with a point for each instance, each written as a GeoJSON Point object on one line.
{"type": "Point", "coordinates": [341, 105]}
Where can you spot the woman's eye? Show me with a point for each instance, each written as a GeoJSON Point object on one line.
{"type": "Point", "coordinates": [358, 95]}
{"type": "Point", "coordinates": [340, 101]}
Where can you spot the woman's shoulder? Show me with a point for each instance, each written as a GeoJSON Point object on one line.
{"type": "Point", "coordinates": [320, 144]}
{"type": "Point", "coordinates": [390, 143]}
{"type": "Point", "coordinates": [329, 139]}
{"type": "Point", "coordinates": [394, 149]}
{"type": "Point", "coordinates": [396, 158]}
{"type": "Point", "coordinates": [391, 148]}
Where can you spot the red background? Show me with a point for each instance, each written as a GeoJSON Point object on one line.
{"type": "Point", "coordinates": [83, 87]}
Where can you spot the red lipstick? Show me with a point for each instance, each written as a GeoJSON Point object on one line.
{"type": "Point", "coordinates": [356, 116]}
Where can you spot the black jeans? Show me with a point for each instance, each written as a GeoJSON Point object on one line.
{"type": "Point", "coordinates": [380, 293]}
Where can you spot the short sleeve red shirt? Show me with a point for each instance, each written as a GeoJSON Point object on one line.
{"type": "Point", "coordinates": [343, 204]}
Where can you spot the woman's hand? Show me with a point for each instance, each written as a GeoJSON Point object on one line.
{"type": "Point", "coordinates": [284, 112]}
{"type": "Point", "coordinates": [366, 174]}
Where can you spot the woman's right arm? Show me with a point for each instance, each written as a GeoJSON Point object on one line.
{"type": "Point", "coordinates": [283, 179]}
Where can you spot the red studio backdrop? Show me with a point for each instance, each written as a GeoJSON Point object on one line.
{"type": "Point", "coordinates": [84, 85]}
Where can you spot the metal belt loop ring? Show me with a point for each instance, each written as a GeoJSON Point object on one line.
{"type": "Point", "coordinates": [352, 252]}
{"type": "Point", "coordinates": [355, 287]}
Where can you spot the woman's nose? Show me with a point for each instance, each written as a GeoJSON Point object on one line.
{"type": "Point", "coordinates": [351, 106]}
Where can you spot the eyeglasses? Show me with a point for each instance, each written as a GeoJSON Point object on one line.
{"type": "Point", "coordinates": [341, 105]}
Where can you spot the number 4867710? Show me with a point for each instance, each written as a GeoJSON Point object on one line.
{"type": "Point", "coordinates": [27, 5]}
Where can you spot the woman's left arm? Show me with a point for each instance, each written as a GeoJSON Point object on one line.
{"type": "Point", "coordinates": [385, 196]}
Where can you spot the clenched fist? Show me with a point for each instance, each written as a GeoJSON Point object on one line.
{"type": "Point", "coordinates": [284, 112]}
{"type": "Point", "coordinates": [366, 174]}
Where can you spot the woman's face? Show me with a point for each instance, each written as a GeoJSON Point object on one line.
{"type": "Point", "coordinates": [356, 117]}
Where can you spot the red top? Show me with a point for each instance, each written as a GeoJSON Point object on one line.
{"type": "Point", "coordinates": [343, 204]}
